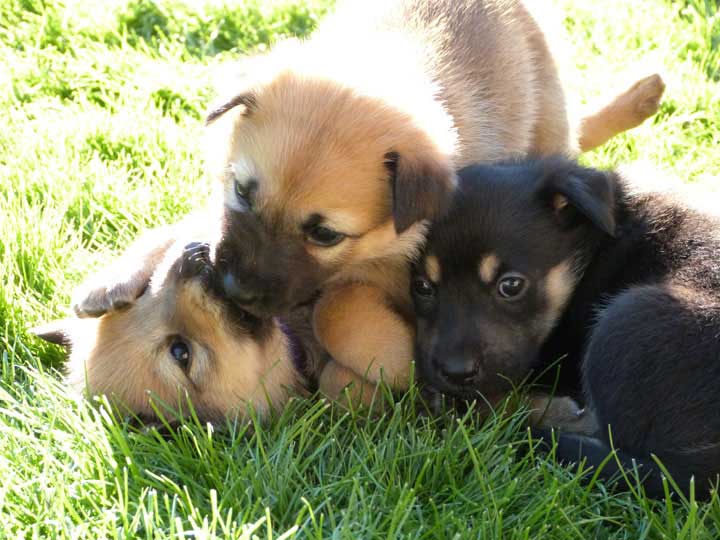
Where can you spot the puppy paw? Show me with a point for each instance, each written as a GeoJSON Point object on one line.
{"type": "Point", "coordinates": [344, 386]}
{"type": "Point", "coordinates": [560, 412]}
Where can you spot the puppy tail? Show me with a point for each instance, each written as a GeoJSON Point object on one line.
{"type": "Point", "coordinates": [620, 470]}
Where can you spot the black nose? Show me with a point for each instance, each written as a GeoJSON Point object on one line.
{"type": "Point", "coordinates": [457, 369]}
{"type": "Point", "coordinates": [240, 293]}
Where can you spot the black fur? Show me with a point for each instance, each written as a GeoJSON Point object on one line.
{"type": "Point", "coordinates": [640, 330]}
{"type": "Point", "coordinates": [264, 270]}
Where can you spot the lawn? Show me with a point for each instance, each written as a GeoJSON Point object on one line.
{"type": "Point", "coordinates": [101, 109]}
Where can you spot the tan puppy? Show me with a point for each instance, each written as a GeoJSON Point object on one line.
{"type": "Point", "coordinates": [340, 149]}
{"type": "Point", "coordinates": [179, 342]}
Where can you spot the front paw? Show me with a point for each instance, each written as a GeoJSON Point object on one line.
{"type": "Point", "coordinates": [350, 390]}
{"type": "Point", "coordinates": [562, 413]}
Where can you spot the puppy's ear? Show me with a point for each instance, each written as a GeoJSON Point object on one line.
{"type": "Point", "coordinates": [246, 100]}
{"type": "Point", "coordinates": [120, 284]}
{"type": "Point", "coordinates": [422, 188]}
{"type": "Point", "coordinates": [573, 190]}
{"type": "Point", "coordinates": [57, 332]}
{"type": "Point", "coordinates": [113, 289]}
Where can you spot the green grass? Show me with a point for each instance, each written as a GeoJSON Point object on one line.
{"type": "Point", "coordinates": [101, 111]}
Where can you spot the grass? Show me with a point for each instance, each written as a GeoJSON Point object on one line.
{"type": "Point", "coordinates": [101, 118]}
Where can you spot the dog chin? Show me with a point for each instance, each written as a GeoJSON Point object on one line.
{"type": "Point", "coordinates": [472, 391]}
{"type": "Point", "coordinates": [469, 393]}
{"type": "Point", "coordinates": [435, 383]}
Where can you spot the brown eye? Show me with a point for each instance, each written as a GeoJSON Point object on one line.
{"type": "Point", "coordinates": [325, 237]}
{"type": "Point", "coordinates": [422, 287]}
{"type": "Point", "coordinates": [511, 286]}
{"type": "Point", "coordinates": [180, 351]}
{"type": "Point", "coordinates": [246, 192]}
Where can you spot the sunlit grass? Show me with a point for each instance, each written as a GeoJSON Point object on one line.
{"type": "Point", "coordinates": [101, 116]}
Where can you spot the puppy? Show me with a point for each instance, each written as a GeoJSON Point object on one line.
{"type": "Point", "coordinates": [343, 146]}
{"type": "Point", "coordinates": [181, 341]}
{"type": "Point", "coordinates": [547, 260]}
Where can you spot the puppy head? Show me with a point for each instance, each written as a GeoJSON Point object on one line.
{"type": "Point", "coordinates": [335, 176]}
{"type": "Point", "coordinates": [498, 271]}
{"type": "Point", "coordinates": [180, 342]}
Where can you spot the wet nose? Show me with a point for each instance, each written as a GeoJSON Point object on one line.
{"type": "Point", "coordinates": [240, 293]}
{"type": "Point", "coordinates": [458, 369]}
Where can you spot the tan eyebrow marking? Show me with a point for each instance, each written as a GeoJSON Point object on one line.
{"type": "Point", "coordinates": [559, 284]}
{"type": "Point", "coordinates": [432, 268]}
{"type": "Point", "coordinates": [488, 267]}
{"type": "Point", "coordinates": [559, 201]}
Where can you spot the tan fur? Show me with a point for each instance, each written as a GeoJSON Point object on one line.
{"type": "Point", "coordinates": [125, 278]}
{"type": "Point", "coordinates": [559, 284]}
{"type": "Point", "coordinates": [442, 85]}
{"type": "Point", "coordinates": [125, 354]}
{"type": "Point", "coordinates": [559, 201]}
{"type": "Point", "coordinates": [438, 83]}
{"type": "Point", "coordinates": [488, 267]}
{"type": "Point", "coordinates": [348, 388]}
{"type": "Point", "coordinates": [432, 268]}
{"type": "Point", "coordinates": [362, 327]}
{"type": "Point", "coordinates": [625, 111]}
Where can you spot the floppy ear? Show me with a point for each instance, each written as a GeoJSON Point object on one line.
{"type": "Point", "coordinates": [57, 332]}
{"type": "Point", "coordinates": [422, 188]}
{"type": "Point", "coordinates": [245, 100]}
{"type": "Point", "coordinates": [578, 190]}
{"type": "Point", "coordinates": [120, 284]}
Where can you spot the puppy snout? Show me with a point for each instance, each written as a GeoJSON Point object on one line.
{"type": "Point", "coordinates": [458, 369]}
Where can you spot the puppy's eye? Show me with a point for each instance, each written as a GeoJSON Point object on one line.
{"type": "Point", "coordinates": [511, 286]}
{"type": "Point", "coordinates": [423, 288]}
{"type": "Point", "coordinates": [180, 351]}
{"type": "Point", "coordinates": [245, 192]}
{"type": "Point", "coordinates": [325, 237]}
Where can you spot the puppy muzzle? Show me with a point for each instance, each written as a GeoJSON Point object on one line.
{"type": "Point", "coordinates": [265, 272]}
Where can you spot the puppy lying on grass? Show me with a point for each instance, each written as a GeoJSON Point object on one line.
{"type": "Point", "coordinates": [544, 260]}
{"type": "Point", "coordinates": [180, 341]}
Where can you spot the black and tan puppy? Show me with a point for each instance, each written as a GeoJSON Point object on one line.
{"type": "Point", "coordinates": [181, 341]}
{"type": "Point", "coordinates": [545, 260]}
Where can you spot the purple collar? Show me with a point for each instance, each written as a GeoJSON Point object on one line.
{"type": "Point", "coordinates": [297, 351]}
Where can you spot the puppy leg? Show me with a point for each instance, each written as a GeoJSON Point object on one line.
{"type": "Point", "coordinates": [360, 331]}
{"type": "Point", "coordinates": [627, 110]}
{"type": "Point", "coordinates": [651, 373]}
